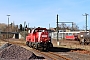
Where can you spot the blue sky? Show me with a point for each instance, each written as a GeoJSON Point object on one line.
{"type": "Point", "coordinates": [42, 12]}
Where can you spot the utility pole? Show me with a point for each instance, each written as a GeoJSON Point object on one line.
{"type": "Point", "coordinates": [24, 30]}
{"type": "Point", "coordinates": [49, 26]}
{"type": "Point", "coordinates": [72, 26]}
{"type": "Point", "coordinates": [63, 31]}
{"type": "Point", "coordinates": [57, 30]}
{"type": "Point", "coordinates": [86, 20]}
{"type": "Point", "coordinates": [28, 25]}
{"type": "Point", "coordinates": [57, 27]}
{"type": "Point", "coordinates": [8, 27]}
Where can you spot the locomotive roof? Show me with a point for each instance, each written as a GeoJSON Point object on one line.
{"type": "Point", "coordinates": [40, 28]}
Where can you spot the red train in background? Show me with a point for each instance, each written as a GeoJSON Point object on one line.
{"type": "Point", "coordinates": [71, 35]}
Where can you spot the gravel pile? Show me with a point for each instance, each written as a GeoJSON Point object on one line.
{"type": "Point", "coordinates": [4, 46]}
{"type": "Point", "coordinates": [14, 52]}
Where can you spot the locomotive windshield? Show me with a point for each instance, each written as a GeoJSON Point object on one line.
{"type": "Point", "coordinates": [40, 29]}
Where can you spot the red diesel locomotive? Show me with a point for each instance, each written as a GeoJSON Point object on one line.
{"type": "Point", "coordinates": [39, 38]}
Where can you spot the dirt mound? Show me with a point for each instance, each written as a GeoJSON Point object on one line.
{"type": "Point", "coordinates": [14, 52]}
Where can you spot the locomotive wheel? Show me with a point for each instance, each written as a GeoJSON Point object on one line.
{"type": "Point", "coordinates": [27, 43]}
{"type": "Point", "coordinates": [42, 49]}
{"type": "Point", "coordinates": [36, 46]}
{"type": "Point", "coordinates": [51, 45]}
{"type": "Point", "coordinates": [30, 44]}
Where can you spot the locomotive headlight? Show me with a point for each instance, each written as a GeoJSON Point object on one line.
{"type": "Point", "coordinates": [48, 41]}
{"type": "Point", "coordinates": [41, 41]}
{"type": "Point", "coordinates": [44, 35]}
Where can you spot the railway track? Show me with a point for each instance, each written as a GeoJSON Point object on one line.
{"type": "Point", "coordinates": [60, 56]}
{"type": "Point", "coordinates": [49, 55]}
{"type": "Point", "coordinates": [53, 56]}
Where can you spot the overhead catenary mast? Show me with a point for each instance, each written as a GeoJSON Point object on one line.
{"type": "Point", "coordinates": [86, 20]}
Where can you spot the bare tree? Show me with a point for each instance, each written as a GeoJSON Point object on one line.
{"type": "Point", "coordinates": [75, 27]}
{"type": "Point", "coordinates": [63, 26]}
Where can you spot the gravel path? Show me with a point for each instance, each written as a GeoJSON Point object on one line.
{"type": "Point", "coordinates": [75, 56]}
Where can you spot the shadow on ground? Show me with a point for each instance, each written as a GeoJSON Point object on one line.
{"type": "Point", "coordinates": [61, 49]}
{"type": "Point", "coordinates": [40, 57]}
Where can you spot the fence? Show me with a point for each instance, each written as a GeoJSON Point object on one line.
{"type": "Point", "coordinates": [54, 35]}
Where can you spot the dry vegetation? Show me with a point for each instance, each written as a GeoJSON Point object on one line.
{"type": "Point", "coordinates": [6, 28]}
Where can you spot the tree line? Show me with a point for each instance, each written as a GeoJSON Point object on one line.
{"type": "Point", "coordinates": [64, 26]}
